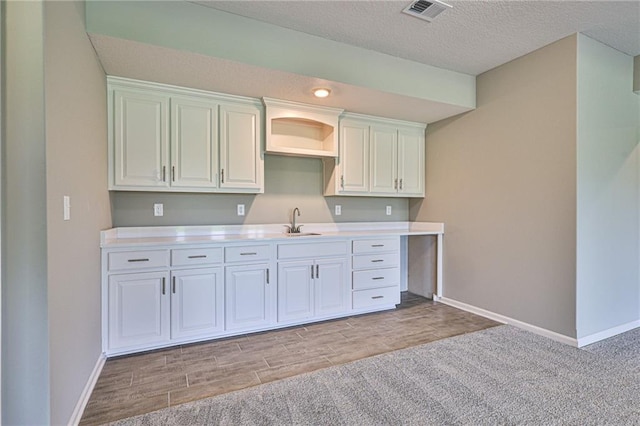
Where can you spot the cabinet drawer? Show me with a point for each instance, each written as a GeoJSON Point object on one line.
{"type": "Point", "coordinates": [376, 278]}
{"type": "Point", "coordinates": [376, 297]}
{"type": "Point", "coordinates": [196, 256]}
{"type": "Point", "coordinates": [122, 261]}
{"type": "Point", "coordinates": [247, 253]}
{"type": "Point", "coordinates": [376, 245]}
{"type": "Point", "coordinates": [382, 260]}
{"type": "Point", "coordinates": [313, 250]}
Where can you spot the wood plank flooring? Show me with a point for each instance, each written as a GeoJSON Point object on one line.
{"type": "Point", "coordinates": [142, 383]}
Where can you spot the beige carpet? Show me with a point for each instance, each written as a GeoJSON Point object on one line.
{"type": "Point", "coordinates": [501, 375]}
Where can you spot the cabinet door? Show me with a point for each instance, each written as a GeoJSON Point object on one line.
{"type": "Point", "coordinates": [197, 303]}
{"type": "Point", "coordinates": [354, 157]}
{"type": "Point", "coordinates": [240, 158]}
{"type": "Point", "coordinates": [194, 143]}
{"type": "Point", "coordinates": [411, 162]}
{"type": "Point", "coordinates": [384, 149]}
{"type": "Point", "coordinates": [248, 299]}
{"type": "Point", "coordinates": [140, 139]}
{"type": "Point", "coordinates": [138, 309]}
{"type": "Point", "coordinates": [331, 287]}
{"type": "Point", "coordinates": [295, 290]}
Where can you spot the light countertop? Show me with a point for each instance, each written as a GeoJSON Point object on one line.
{"type": "Point", "coordinates": [179, 235]}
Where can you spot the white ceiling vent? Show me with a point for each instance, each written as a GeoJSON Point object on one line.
{"type": "Point", "coordinates": [426, 10]}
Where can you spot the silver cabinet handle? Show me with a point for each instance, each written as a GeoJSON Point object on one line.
{"type": "Point", "coordinates": [267, 275]}
{"type": "Point", "coordinates": [401, 184]}
{"type": "Point", "coordinates": [377, 260]}
{"type": "Point", "coordinates": [173, 173]}
{"type": "Point", "coordinates": [377, 278]}
{"type": "Point", "coordinates": [311, 271]}
{"type": "Point", "coordinates": [222, 175]}
{"type": "Point", "coordinates": [174, 285]}
{"type": "Point", "coordinates": [164, 173]}
{"type": "Point", "coordinates": [377, 297]}
{"type": "Point", "coordinates": [342, 181]}
{"type": "Point", "coordinates": [163, 286]}
{"type": "Point", "coordinates": [198, 256]}
{"type": "Point", "coordinates": [377, 245]}
{"type": "Point", "coordinates": [317, 271]}
{"type": "Point", "coordinates": [138, 260]}
{"type": "Point", "coordinates": [395, 184]}
{"type": "Point", "coordinates": [248, 254]}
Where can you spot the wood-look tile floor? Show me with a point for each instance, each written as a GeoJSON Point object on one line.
{"type": "Point", "coordinates": [142, 383]}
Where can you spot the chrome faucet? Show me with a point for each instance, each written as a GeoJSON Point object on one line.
{"type": "Point", "coordinates": [293, 229]}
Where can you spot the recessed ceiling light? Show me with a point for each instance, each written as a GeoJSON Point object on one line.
{"type": "Point", "coordinates": [321, 92]}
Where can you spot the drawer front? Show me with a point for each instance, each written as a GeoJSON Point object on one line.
{"type": "Point", "coordinates": [376, 297]}
{"type": "Point", "coordinates": [312, 250]}
{"type": "Point", "coordinates": [142, 259]}
{"type": "Point", "coordinates": [247, 253]}
{"type": "Point", "coordinates": [376, 245]}
{"type": "Point", "coordinates": [382, 260]}
{"type": "Point", "coordinates": [376, 278]}
{"type": "Point", "coordinates": [196, 256]}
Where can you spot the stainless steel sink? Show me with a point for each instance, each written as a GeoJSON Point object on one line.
{"type": "Point", "coordinates": [301, 234]}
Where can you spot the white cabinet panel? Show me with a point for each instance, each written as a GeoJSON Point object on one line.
{"type": "Point", "coordinates": [384, 160]}
{"type": "Point", "coordinates": [240, 159]}
{"type": "Point", "coordinates": [295, 290]}
{"type": "Point", "coordinates": [364, 299]}
{"type": "Point", "coordinates": [330, 287]}
{"type": "Point", "coordinates": [248, 297]}
{"type": "Point", "coordinates": [354, 157]}
{"type": "Point", "coordinates": [194, 147]}
{"type": "Point", "coordinates": [138, 309]}
{"type": "Point", "coordinates": [411, 162]}
{"type": "Point", "coordinates": [197, 303]}
{"type": "Point", "coordinates": [140, 138]}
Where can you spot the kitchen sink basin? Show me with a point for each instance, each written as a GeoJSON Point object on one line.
{"type": "Point", "coordinates": [301, 234]}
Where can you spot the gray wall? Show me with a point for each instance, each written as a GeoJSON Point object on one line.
{"type": "Point", "coordinates": [608, 288]}
{"type": "Point", "coordinates": [289, 182]}
{"type": "Point", "coordinates": [25, 368]}
{"type": "Point", "coordinates": [76, 132]}
{"type": "Point", "coordinates": [503, 179]}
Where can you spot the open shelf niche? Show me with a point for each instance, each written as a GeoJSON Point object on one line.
{"type": "Point", "coordinates": [301, 130]}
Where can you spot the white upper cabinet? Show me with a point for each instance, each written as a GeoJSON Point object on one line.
{"type": "Point", "coordinates": [194, 153]}
{"type": "Point", "coordinates": [384, 160]}
{"type": "Point", "coordinates": [140, 126]}
{"type": "Point", "coordinates": [240, 157]}
{"type": "Point", "coordinates": [411, 159]}
{"type": "Point", "coordinates": [378, 158]}
{"type": "Point", "coordinates": [167, 138]}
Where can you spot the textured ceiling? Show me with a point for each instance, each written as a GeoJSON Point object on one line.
{"type": "Point", "coordinates": [473, 37]}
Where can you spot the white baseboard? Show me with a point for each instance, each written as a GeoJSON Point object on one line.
{"type": "Point", "coordinates": [86, 392]}
{"type": "Point", "coordinates": [605, 334]}
{"type": "Point", "coordinates": [514, 322]}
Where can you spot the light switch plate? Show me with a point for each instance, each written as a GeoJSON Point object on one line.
{"type": "Point", "coordinates": [66, 209]}
{"type": "Point", "coordinates": [240, 209]}
{"type": "Point", "coordinates": [338, 210]}
{"type": "Point", "coordinates": [158, 209]}
{"type": "Point", "coordinates": [388, 210]}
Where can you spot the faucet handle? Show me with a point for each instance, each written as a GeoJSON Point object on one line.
{"type": "Point", "coordinates": [289, 229]}
{"type": "Point", "coordinates": [297, 230]}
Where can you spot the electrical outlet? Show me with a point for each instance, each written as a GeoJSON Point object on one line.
{"type": "Point", "coordinates": [66, 207]}
{"type": "Point", "coordinates": [388, 210]}
{"type": "Point", "coordinates": [338, 210]}
{"type": "Point", "coordinates": [240, 209]}
{"type": "Point", "coordinates": [158, 209]}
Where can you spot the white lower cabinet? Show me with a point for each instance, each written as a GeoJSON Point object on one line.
{"type": "Point", "coordinates": [197, 303]}
{"type": "Point", "coordinates": [138, 310]}
{"type": "Point", "coordinates": [312, 281]}
{"type": "Point", "coordinates": [312, 288]}
{"type": "Point", "coordinates": [249, 296]}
